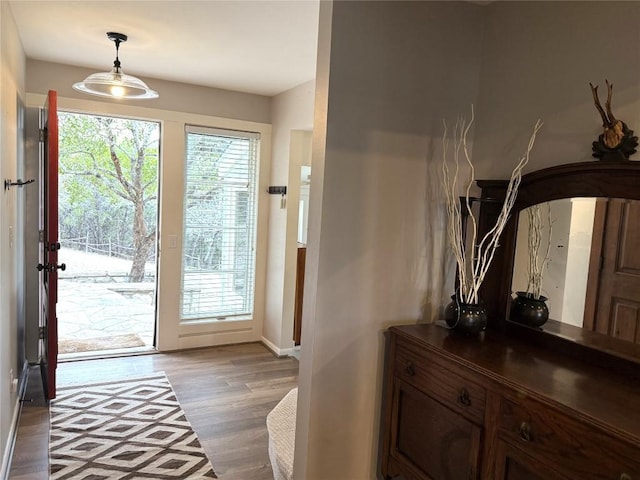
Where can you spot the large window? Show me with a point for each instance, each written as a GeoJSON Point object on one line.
{"type": "Point", "coordinates": [218, 248]}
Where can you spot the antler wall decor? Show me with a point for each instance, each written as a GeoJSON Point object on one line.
{"type": "Point", "coordinates": [617, 142]}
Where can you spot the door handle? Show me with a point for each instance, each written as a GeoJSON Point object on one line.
{"type": "Point", "coordinates": [50, 267]}
{"type": "Point", "coordinates": [525, 432]}
{"type": "Point", "coordinates": [464, 398]}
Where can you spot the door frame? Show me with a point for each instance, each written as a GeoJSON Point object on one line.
{"type": "Point", "coordinates": [171, 335]}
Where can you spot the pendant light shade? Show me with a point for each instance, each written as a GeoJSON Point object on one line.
{"type": "Point", "coordinates": [115, 84]}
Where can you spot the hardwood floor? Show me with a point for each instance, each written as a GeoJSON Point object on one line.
{"type": "Point", "coordinates": [226, 393]}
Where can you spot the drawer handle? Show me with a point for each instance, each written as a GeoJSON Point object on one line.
{"type": "Point", "coordinates": [464, 397]}
{"type": "Point", "coordinates": [625, 476]}
{"type": "Point", "coordinates": [525, 432]}
{"type": "Point", "coordinates": [410, 369]}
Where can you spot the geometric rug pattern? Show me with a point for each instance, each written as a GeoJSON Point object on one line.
{"type": "Point", "coordinates": [131, 429]}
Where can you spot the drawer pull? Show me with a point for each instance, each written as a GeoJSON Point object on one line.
{"type": "Point", "coordinates": [410, 369]}
{"type": "Point", "coordinates": [625, 476]}
{"type": "Point", "coordinates": [464, 397]}
{"type": "Point", "coordinates": [525, 432]}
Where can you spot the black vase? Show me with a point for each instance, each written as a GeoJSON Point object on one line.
{"type": "Point", "coordinates": [528, 310]}
{"type": "Point", "coordinates": [465, 318]}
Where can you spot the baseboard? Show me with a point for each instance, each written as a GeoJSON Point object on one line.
{"type": "Point", "coordinates": [13, 431]}
{"type": "Point", "coordinates": [278, 352]}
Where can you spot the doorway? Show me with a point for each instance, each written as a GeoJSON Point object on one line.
{"type": "Point", "coordinates": [108, 211]}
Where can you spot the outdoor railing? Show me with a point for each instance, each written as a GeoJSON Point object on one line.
{"type": "Point", "coordinates": [110, 248]}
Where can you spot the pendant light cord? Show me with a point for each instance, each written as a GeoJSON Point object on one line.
{"type": "Point", "coordinates": [116, 63]}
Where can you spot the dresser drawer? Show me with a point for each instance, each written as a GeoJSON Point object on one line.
{"type": "Point", "coordinates": [573, 448]}
{"type": "Point", "coordinates": [451, 389]}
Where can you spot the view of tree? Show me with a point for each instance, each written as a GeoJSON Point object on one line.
{"type": "Point", "coordinates": [204, 197]}
{"type": "Point", "coordinates": [109, 184]}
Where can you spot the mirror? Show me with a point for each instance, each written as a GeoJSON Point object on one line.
{"type": "Point", "coordinates": [604, 194]}
{"type": "Point", "coordinates": [592, 278]}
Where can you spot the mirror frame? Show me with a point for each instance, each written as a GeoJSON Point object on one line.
{"type": "Point", "coordinates": [583, 179]}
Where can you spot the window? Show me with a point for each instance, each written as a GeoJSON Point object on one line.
{"type": "Point", "coordinates": [218, 249]}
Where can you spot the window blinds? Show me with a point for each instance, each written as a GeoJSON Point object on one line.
{"type": "Point", "coordinates": [218, 248]}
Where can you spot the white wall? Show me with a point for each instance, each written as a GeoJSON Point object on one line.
{"type": "Point", "coordinates": [292, 111]}
{"type": "Point", "coordinates": [179, 97]}
{"type": "Point", "coordinates": [12, 77]}
{"type": "Point", "coordinates": [578, 255]}
{"type": "Point", "coordinates": [387, 74]}
{"type": "Point", "coordinates": [554, 280]}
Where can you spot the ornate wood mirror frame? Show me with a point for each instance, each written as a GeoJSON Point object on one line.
{"type": "Point", "coordinates": [586, 179]}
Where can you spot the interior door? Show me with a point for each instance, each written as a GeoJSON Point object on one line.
{"type": "Point", "coordinates": [617, 310]}
{"type": "Point", "coordinates": [49, 245]}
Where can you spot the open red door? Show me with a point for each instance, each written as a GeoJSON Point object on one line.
{"type": "Point", "coordinates": [50, 245]}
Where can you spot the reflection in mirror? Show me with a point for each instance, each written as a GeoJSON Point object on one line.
{"type": "Point", "coordinates": [593, 276]}
{"type": "Point", "coordinates": [303, 207]}
{"type": "Point", "coordinates": [569, 251]}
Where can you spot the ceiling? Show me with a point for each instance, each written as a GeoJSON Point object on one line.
{"type": "Point", "coordinates": [256, 46]}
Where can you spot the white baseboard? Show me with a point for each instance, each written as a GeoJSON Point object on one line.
{"type": "Point", "coordinates": [278, 352]}
{"type": "Point", "coordinates": [13, 431]}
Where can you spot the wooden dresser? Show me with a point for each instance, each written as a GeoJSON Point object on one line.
{"type": "Point", "coordinates": [497, 408]}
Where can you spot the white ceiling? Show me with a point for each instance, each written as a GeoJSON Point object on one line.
{"type": "Point", "coordinates": [263, 47]}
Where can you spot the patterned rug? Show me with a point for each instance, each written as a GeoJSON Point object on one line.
{"type": "Point", "coordinates": [132, 429]}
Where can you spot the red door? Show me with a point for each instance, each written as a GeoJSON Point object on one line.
{"type": "Point", "coordinates": [49, 244]}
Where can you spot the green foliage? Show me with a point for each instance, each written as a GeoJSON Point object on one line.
{"type": "Point", "coordinates": [108, 169]}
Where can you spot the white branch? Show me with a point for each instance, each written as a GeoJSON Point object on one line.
{"type": "Point", "coordinates": [473, 266]}
{"type": "Point", "coordinates": [537, 263]}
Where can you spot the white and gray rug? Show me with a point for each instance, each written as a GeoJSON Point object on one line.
{"type": "Point", "coordinates": [131, 429]}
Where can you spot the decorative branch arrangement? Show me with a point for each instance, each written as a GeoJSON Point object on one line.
{"type": "Point", "coordinates": [473, 266]}
{"type": "Point", "coordinates": [537, 263]}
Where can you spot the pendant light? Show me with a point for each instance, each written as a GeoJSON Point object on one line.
{"type": "Point", "coordinates": [115, 84]}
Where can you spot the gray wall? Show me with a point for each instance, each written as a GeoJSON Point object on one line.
{"type": "Point", "coordinates": [12, 326]}
{"type": "Point", "coordinates": [539, 58]}
{"type": "Point", "coordinates": [30, 220]}
{"type": "Point", "coordinates": [388, 73]}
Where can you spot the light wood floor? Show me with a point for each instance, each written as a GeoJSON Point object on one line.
{"type": "Point", "coordinates": [226, 393]}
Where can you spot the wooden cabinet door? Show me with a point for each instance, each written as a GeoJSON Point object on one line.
{"type": "Point", "coordinates": [613, 301]}
{"type": "Point", "coordinates": [513, 464]}
{"type": "Point", "coordinates": [430, 441]}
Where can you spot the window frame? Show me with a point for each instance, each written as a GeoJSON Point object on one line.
{"type": "Point", "coordinates": [248, 303]}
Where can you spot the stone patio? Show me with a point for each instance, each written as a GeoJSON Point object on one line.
{"type": "Point", "coordinates": [95, 303]}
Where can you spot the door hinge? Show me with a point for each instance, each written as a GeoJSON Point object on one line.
{"type": "Point", "coordinates": [40, 236]}
{"type": "Point", "coordinates": [42, 133]}
{"type": "Point", "coordinates": [42, 333]}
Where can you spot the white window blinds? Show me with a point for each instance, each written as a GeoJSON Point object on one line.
{"type": "Point", "coordinates": [218, 248]}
